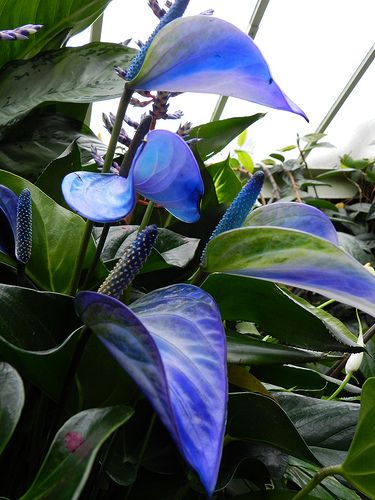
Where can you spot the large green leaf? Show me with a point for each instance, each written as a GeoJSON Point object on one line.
{"type": "Point", "coordinates": [170, 249]}
{"type": "Point", "coordinates": [271, 307]}
{"type": "Point", "coordinates": [359, 466]}
{"type": "Point", "coordinates": [244, 350]}
{"type": "Point", "coordinates": [67, 465]}
{"type": "Point", "coordinates": [12, 398]}
{"type": "Point", "coordinates": [57, 233]}
{"type": "Point", "coordinates": [60, 19]}
{"type": "Point", "coordinates": [27, 148]}
{"type": "Point", "coordinates": [226, 182]}
{"type": "Point", "coordinates": [254, 417]}
{"type": "Point", "coordinates": [214, 136]}
{"type": "Point", "coordinates": [78, 74]}
{"type": "Point", "coordinates": [295, 258]}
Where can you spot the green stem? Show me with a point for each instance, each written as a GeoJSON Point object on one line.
{"type": "Point", "coordinates": [146, 216]}
{"type": "Point", "coordinates": [197, 278]}
{"type": "Point", "coordinates": [122, 107]}
{"type": "Point", "coordinates": [318, 478]}
{"type": "Point", "coordinates": [141, 455]}
{"type": "Point", "coordinates": [325, 304]}
{"type": "Point", "coordinates": [81, 257]}
{"type": "Point", "coordinates": [341, 386]}
{"type": "Point", "coordinates": [97, 255]}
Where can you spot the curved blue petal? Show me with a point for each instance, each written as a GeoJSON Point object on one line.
{"type": "Point", "coordinates": [209, 55]}
{"type": "Point", "coordinates": [166, 172]}
{"type": "Point", "coordinates": [99, 197]}
{"type": "Point", "coordinates": [294, 216]}
{"type": "Point", "coordinates": [8, 220]}
{"type": "Point", "coordinates": [172, 343]}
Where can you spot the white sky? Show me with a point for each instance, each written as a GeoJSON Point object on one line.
{"type": "Point", "coordinates": [312, 47]}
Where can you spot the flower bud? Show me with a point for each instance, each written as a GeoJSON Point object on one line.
{"type": "Point", "coordinates": [354, 362]}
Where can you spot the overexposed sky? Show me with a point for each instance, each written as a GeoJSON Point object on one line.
{"type": "Point", "coordinates": [312, 47]}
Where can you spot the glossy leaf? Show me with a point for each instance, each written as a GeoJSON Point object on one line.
{"type": "Point", "coordinates": [12, 398]}
{"type": "Point", "coordinates": [170, 249]}
{"type": "Point", "coordinates": [245, 350]}
{"type": "Point", "coordinates": [271, 307]}
{"type": "Point", "coordinates": [164, 171]}
{"type": "Point", "coordinates": [69, 460]}
{"type": "Point", "coordinates": [56, 233]}
{"type": "Point", "coordinates": [58, 18]}
{"type": "Point", "coordinates": [172, 343]}
{"type": "Point", "coordinates": [214, 136]}
{"type": "Point", "coordinates": [205, 54]}
{"type": "Point", "coordinates": [359, 466]}
{"type": "Point", "coordinates": [227, 184]}
{"type": "Point", "coordinates": [254, 417]}
{"type": "Point", "coordinates": [32, 144]}
{"type": "Point", "coordinates": [53, 77]}
{"type": "Point", "coordinates": [294, 216]}
{"type": "Point", "coordinates": [295, 258]}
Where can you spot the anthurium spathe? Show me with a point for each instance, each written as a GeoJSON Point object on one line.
{"type": "Point", "coordinates": [209, 55]}
{"type": "Point", "coordinates": [164, 171]}
{"type": "Point", "coordinates": [172, 343]}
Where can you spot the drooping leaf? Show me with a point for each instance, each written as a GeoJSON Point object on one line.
{"type": "Point", "coordinates": [295, 258]}
{"type": "Point", "coordinates": [69, 460]}
{"type": "Point", "coordinates": [54, 77]}
{"type": "Point", "coordinates": [56, 236]}
{"type": "Point", "coordinates": [271, 307]}
{"type": "Point", "coordinates": [255, 417]}
{"type": "Point", "coordinates": [164, 170]}
{"type": "Point", "coordinates": [32, 144]}
{"type": "Point", "coordinates": [359, 466]}
{"type": "Point", "coordinates": [11, 402]}
{"type": "Point", "coordinates": [205, 54]}
{"type": "Point", "coordinates": [214, 136]}
{"type": "Point", "coordinates": [294, 216]}
{"type": "Point", "coordinates": [172, 343]}
{"type": "Point", "coordinates": [59, 19]}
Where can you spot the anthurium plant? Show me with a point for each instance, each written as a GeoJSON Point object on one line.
{"type": "Point", "coordinates": [164, 331]}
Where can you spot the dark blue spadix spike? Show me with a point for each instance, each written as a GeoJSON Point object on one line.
{"type": "Point", "coordinates": [177, 10]}
{"type": "Point", "coordinates": [240, 207]}
{"type": "Point", "coordinates": [24, 227]}
{"type": "Point", "coordinates": [130, 263]}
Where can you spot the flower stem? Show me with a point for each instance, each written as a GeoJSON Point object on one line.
{"type": "Point", "coordinates": [318, 478]}
{"type": "Point", "coordinates": [146, 216]}
{"type": "Point", "coordinates": [341, 386]}
{"type": "Point", "coordinates": [197, 278]}
{"type": "Point", "coordinates": [81, 257]}
{"type": "Point", "coordinates": [141, 455]}
{"type": "Point", "coordinates": [97, 255]}
{"type": "Point", "coordinates": [325, 304]}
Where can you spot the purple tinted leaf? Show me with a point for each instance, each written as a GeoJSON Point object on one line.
{"type": "Point", "coordinates": [166, 172]}
{"type": "Point", "coordinates": [172, 343]}
{"type": "Point", "coordinates": [294, 216]}
{"type": "Point", "coordinates": [8, 220]}
{"type": "Point", "coordinates": [99, 197]}
{"type": "Point", "coordinates": [209, 55]}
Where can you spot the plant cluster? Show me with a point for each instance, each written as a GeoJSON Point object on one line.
{"type": "Point", "coordinates": [146, 350]}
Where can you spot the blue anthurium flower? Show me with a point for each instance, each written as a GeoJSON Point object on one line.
{"type": "Point", "coordinates": [209, 55]}
{"type": "Point", "coordinates": [172, 343]}
{"type": "Point", "coordinates": [164, 171]}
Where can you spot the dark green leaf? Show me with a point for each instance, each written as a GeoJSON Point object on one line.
{"type": "Point", "coordinates": [60, 19]}
{"type": "Point", "coordinates": [28, 147]}
{"type": "Point", "coordinates": [244, 350]}
{"type": "Point", "coordinates": [216, 135]}
{"type": "Point", "coordinates": [170, 250]}
{"type": "Point", "coordinates": [55, 77]}
{"type": "Point", "coordinates": [226, 182]}
{"type": "Point", "coordinates": [57, 233]}
{"type": "Point", "coordinates": [277, 157]}
{"type": "Point", "coordinates": [12, 398]}
{"type": "Point", "coordinates": [67, 465]}
{"type": "Point", "coordinates": [359, 466]}
{"type": "Point", "coordinates": [254, 417]}
{"type": "Point", "coordinates": [271, 307]}
{"type": "Point", "coordinates": [324, 204]}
